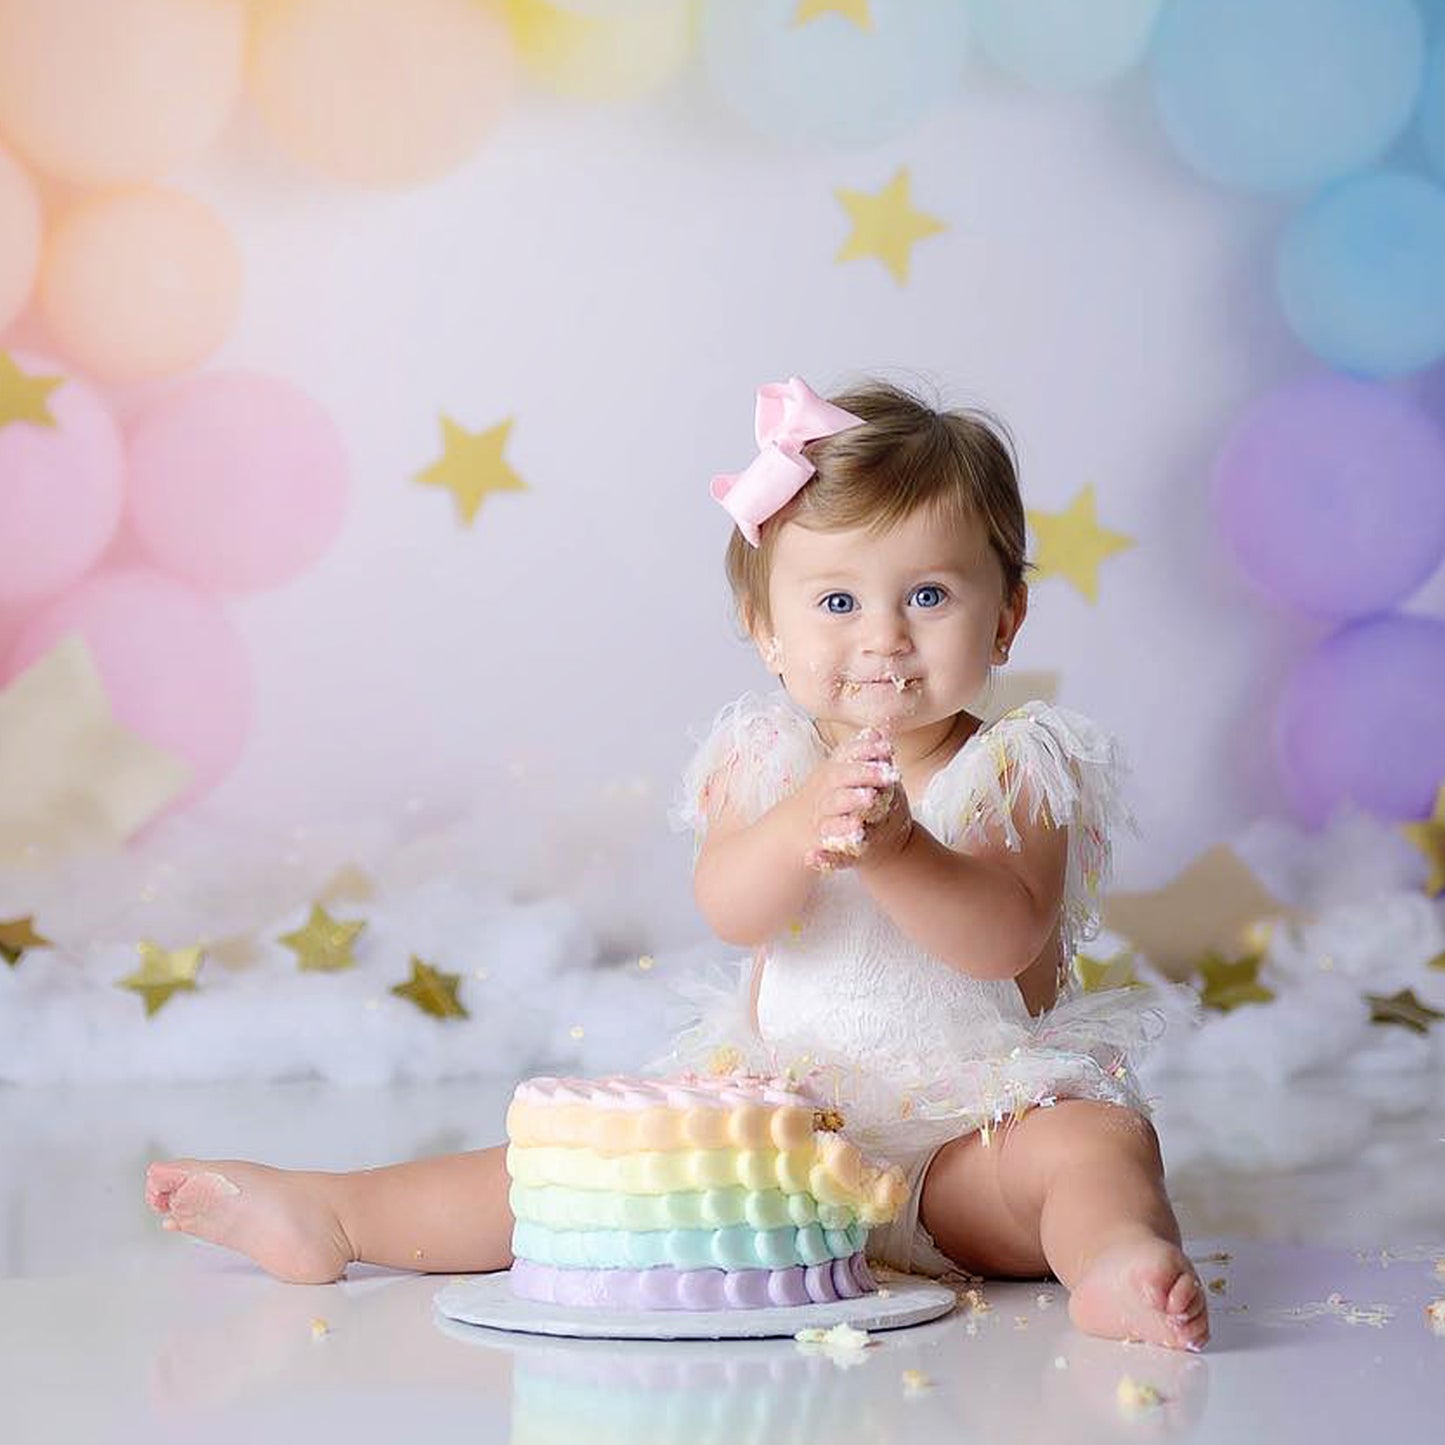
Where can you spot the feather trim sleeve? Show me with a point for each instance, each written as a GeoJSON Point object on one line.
{"type": "Point", "coordinates": [1040, 761]}
{"type": "Point", "coordinates": [758, 752]}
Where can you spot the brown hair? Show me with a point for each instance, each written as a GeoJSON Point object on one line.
{"type": "Point", "coordinates": [909, 455]}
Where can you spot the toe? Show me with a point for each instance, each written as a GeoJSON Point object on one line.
{"type": "Point", "coordinates": [1185, 1292]}
{"type": "Point", "coordinates": [162, 1180]}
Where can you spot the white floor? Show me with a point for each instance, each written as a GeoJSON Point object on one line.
{"type": "Point", "coordinates": [112, 1331]}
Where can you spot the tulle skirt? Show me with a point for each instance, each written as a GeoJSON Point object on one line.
{"type": "Point", "coordinates": [1087, 1046]}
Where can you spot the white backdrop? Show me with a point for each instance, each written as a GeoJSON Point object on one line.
{"type": "Point", "coordinates": [618, 281]}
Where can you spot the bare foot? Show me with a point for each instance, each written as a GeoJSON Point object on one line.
{"type": "Point", "coordinates": [1143, 1289]}
{"type": "Point", "coordinates": [278, 1217]}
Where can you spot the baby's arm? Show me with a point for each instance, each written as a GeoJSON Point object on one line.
{"type": "Point", "coordinates": [752, 880]}
{"type": "Point", "coordinates": [989, 911]}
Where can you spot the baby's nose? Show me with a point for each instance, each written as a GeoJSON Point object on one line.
{"type": "Point", "coordinates": [889, 635]}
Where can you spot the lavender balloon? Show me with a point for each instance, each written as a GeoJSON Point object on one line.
{"type": "Point", "coordinates": [1330, 493]}
{"type": "Point", "coordinates": [1362, 720]}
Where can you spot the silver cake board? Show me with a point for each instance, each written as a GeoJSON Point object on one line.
{"type": "Point", "coordinates": [487, 1300]}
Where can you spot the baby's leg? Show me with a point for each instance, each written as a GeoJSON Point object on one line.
{"type": "Point", "coordinates": [1076, 1190]}
{"type": "Point", "coordinates": [445, 1214]}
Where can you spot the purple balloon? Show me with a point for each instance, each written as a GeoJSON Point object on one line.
{"type": "Point", "coordinates": [1362, 720]}
{"type": "Point", "coordinates": [1330, 493]}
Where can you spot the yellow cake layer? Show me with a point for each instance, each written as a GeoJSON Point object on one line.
{"type": "Point", "coordinates": [828, 1167]}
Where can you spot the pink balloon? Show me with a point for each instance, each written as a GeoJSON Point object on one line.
{"type": "Point", "coordinates": [60, 488]}
{"type": "Point", "coordinates": [173, 667]}
{"type": "Point", "coordinates": [237, 482]}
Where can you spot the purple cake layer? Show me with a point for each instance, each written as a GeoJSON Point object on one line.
{"type": "Point", "coordinates": [693, 1289]}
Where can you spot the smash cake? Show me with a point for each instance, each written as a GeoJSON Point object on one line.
{"type": "Point", "coordinates": [690, 1193]}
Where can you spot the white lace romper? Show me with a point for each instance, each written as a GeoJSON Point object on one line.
{"type": "Point", "coordinates": [911, 1051]}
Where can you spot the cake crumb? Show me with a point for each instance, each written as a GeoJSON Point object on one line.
{"type": "Point", "coordinates": [1135, 1395]}
{"type": "Point", "coordinates": [1043, 1299]}
{"type": "Point", "coordinates": [915, 1381]}
{"type": "Point", "coordinates": [1435, 1314]}
{"type": "Point", "coordinates": [319, 1328]}
{"type": "Point", "coordinates": [1060, 1363]}
{"type": "Point", "coordinates": [842, 1344]}
{"type": "Point", "coordinates": [1217, 1286]}
{"type": "Point", "coordinates": [883, 1292]}
{"type": "Point", "coordinates": [1021, 1322]}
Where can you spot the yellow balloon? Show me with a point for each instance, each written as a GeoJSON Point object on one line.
{"type": "Point", "coordinates": [139, 283]}
{"type": "Point", "coordinates": [380, 92]}
{"type": "Point", "coordinates": [611, 56]}
{"type": "Point", "coordinates": [19, 239]}
{"type": "Point", "coordinates": [100, 91]}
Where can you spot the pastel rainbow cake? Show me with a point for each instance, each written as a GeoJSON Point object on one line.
{"type": "Point", "coordinates": [690, 1193]}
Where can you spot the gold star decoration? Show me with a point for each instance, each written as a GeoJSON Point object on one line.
{"type": "Point", "coordinates": [1216, 905]}
{"type": "Point", "coordinates": [16, 936]}
{"type": "Point", "coordinates": [1097, 974]}
{"type": "Point", "coordinates": [24, 397]}
{"type": "Point", "coordinates": [1231, 982]}
{"type": "Point", "coordinates": [324, 944]}
{"type": "Point", "coordinates": [80, 780]}
{"type": "Point", "coordinates": [1072, 544]}
{"type": "Point", "coordinates": [1429, 838]}
{"type": "Point", "coordinates": [1437, 962]}
{"type": "Point", "coordinates": [1402, 1008]}
{"type": "Point", "coordinates": [163, 973]}
{"type": "Point", "coordinates": [855, 10]}
{"type": "Point", "coordinates": [472, 466]}
{"type": "Point", "coordinates": [432, 991]}
{"type": "Point", "coordinates": [886, 226]}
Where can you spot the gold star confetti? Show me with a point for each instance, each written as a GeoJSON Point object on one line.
{"type": "Point", "coordinates": [25, 397]}
{"type": "Point", "coordinates": [16, 936]}
{"type": "Point", "coordinates": [472, 466]}
{"type": "Point", "coordinates": [1232, 982]}
{"type": "Point", "coordinates": [324, 944]}
{"type": "Point", "coordinates": [1429, 838]}
{"type": "Point", "coordinates": [1213, 906]}
{"type": "Point", "coordinates": [1101, 973]}
{"type": "Point", "coordinates": [432, 991]}
{"type": "Point", "coordinates": [163, 973]}
{"type": "Point", "coordinates": [319, 1328]}
{"type": "Point", "coordinates": [855, 10]}
{"type": "Point", "coordinates": [886, 226]}
{"type": "Point", "coordinates": [81, 781]}
{"type": "Point", "coordinates": [1402, 1008]}
{"type": "Point", "coordinates": [646, 963]}
{"type": "Point", "coordinates": [1072, 544]}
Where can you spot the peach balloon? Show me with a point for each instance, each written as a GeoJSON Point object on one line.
{"type": "Point", "coordinates": [102, 91]}
{"type": "Point", "coordinates": [139, 283]}
{"type": "Point", "coordinates": [19, 239]}
{"type": "Point", "coordinates": [380, 92]}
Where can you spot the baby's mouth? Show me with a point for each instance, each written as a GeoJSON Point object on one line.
{"type": "Point", "coordinates": [859, 686]}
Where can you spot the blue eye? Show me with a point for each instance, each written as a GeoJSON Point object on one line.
{"type": "Point", "coordinates": [929, 595]}
{"type": "Point", "coordinates": [839, 603]}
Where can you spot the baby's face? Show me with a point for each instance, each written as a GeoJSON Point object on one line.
{"type": "Point", "coordinates": [896, 630]}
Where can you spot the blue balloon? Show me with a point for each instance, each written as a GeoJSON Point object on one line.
{"type": "Point", "coordinates": [830, 79]}
{"type": "Point", "coordinates": [1361, 721]}
{"type": "Point", "coordinates": [1432, 105]}
{"type": "Point", "coordinates": [1284, 95]}
{"type": "Point", "coordinates": [1063, 44]}
{"type": "Point", "coordinates": [1361, 274]}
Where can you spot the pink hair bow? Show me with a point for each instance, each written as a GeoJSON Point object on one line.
{"type": "Point", "coordinates": [790, 414]}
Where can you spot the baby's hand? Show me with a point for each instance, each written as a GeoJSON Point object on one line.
{"type": "Point", "coordinates": [859, 807]}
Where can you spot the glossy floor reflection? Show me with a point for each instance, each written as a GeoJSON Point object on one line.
{"type": "Point", "coordinates": [112, 1331]}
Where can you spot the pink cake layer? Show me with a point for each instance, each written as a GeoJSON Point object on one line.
{"type": "Point", "coordinates": [693, 1289]}
{"type": "Point", "coordinates": [685, 1091]}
